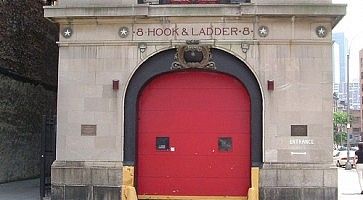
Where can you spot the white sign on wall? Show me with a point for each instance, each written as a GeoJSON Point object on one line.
{"type": "Point", "coordinates": [301, 141]}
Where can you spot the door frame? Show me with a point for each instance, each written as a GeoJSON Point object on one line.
{"type": "Point", "coordinates": [161, 63]}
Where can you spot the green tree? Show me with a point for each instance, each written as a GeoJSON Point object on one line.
{"type": "Point", "coordinates": [340, 120]}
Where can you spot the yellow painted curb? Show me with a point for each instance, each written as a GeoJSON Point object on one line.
{"type": "Point", "coordinates": [162, 197]}
{"type": "Point", "coordinates": [128, 176]}
{"type": "Point", "coordinates": [128, 193]}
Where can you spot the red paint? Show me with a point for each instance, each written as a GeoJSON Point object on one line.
{"type": "Point", "coordinates": [270, 85]}
{"type": "Point", "coordinates": [115, 84]}
{"type": "Point", "coordinates": [194, 1]}
{"type": "Point", "coordinates": [194, 109]}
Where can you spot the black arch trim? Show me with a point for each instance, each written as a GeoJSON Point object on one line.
{"type": "Point", "coordinates": [161, 63]}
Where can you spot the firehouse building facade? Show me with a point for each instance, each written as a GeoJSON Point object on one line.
{"type": "Point", "coordinates": [197, 99]}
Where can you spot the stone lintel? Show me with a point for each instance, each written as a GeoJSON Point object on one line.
{"type": "Point", "coordinates": [334, 11]}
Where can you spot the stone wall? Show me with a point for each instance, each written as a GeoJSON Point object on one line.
{"type": "Point", "coordinates": [28, 80]}
{"type": "Point", "coordinates": [28, 40]}
{"type": "Point", "coordinates": [21, 108]}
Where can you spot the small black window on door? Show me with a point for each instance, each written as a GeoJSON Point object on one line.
{"type": "Point", "coordinates": [162, 143]}
{"type": "Point", "coordinates": [225, 144]}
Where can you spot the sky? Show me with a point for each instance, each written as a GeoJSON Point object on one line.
{"type": "Point", "coordinates": [352, 26]}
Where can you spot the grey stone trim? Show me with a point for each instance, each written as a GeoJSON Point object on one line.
{"type": "Point", "coordinates": [77, 192]}
{"type": "Point", "coordinates": [298, 182]}
{"type": "Point", "coordinates": [58, 191]}
{"type": "Point", "coordinates": [87, 173]}
{"type": "Point", "coordinates": [289, 193]}
{"type": "Point", "coordinates": [86, 180]}
{"type": "Point", "coordinates": [285, 177]}
{"type": "Point", "coordinates": [107, 193]}
{"type": "Point", "coordinates": [286, 41]}
{"type": "Point", "coordinates": [335, 11]}
{"type": "Point", "coordinates": [84, 192]}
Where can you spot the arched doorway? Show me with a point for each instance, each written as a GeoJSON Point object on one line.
{"type": "Point", "coordinates": [193, 136]}
{"type": "Point", "coordinates": [160, 64]}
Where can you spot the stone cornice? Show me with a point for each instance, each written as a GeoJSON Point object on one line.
{"type": "Point", "coordinates": [204, 42]}
{"type": "Point", "coordinates": [333, 11]}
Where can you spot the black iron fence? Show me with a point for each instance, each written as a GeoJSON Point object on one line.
{"type": "Point", "coordinates": [48, 153]}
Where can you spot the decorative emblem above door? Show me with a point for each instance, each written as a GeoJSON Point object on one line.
{"type": "Point", "coordinates": [193, 56]}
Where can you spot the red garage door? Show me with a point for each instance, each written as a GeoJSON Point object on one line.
{"type": "Point", "coordinates": [193, 136]}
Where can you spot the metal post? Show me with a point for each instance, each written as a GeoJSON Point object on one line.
{"type": "Point", "coordinates": [348, 165]}
{"type": "Point", "coordinates": [341, 134]}
{"type": "Point", "coordinates": [42, 158]}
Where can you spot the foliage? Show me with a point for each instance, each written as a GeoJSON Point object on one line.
{"type": "Point", "coordinates": [340, 138]}
{"type": "Point", "coordinates": [340, 120]}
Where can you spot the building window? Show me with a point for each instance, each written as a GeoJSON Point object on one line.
{"type": "Point", "coordinates": [356, 129]}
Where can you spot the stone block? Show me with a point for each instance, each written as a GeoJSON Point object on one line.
{"type": "Point", "coordinates": [77, 193]}
{"type": "Point", "coordinates": [290, 178]}
{"type": "Point", "coordinates": [105, 78]}
{"type": "Point", "coordinates": [313, 193]}
{"type": "Point", "coordinates": [93, 91]}
{"type": "Point", "coordinates": [57, 175]}
{"type": "Point", "coordinates": [313, 178]}
{"type": "Point", "coordinates": [115, 176]}
{"type": "Point", "coordinates": [77, 176]}
{"type": "Point", "coordinates": [268, 177]}
{"type": "Point", "coordinates": [331, 178]}
{"type": "Point", "coordinates": [280, 194]}
{"type": "Point", "coordinates": [100, 176]}
{"type": "Point", "coordinates": [68, 103]}
{"type": "Point", "coordinates": [57, 192]}
{"type": "Point", "coordinates": [96, 104]}
{"type": "Point", "coordinates": [108, 92]}
{"type": "Point", "coordinates": [106, 193]}
{"type": "Point", "coordinates": [105, 142]}
{"type": "Point", "coordinates": [330, 193]}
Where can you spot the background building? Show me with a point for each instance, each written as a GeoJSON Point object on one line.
{"type": "Point", "coordinates": [341, 69]}
{"type": "Point", "coordinates": [356, 127]}
{"type": "Point", "coordinates": [361, 84]}
{"type": "Point", "coordinates": [354, 95]}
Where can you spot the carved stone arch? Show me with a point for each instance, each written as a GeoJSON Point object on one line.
{"type": "Point", "coordinates": [161, 63]}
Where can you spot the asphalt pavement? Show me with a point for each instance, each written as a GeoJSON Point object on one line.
{"type": "Point", "coordinates": [348, 188]}
{"type": "Point", "coordinates": [20, 190]}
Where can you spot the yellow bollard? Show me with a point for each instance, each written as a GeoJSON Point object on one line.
{"type": "Point", "coordinates": [128, 191]}
{"type": "Point", "coordinates": [253, 193]}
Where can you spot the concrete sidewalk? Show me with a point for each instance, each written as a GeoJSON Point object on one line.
{"type": "Point", "coordinates": [348, 185]}
{"type": "Point", "coordinates": [20, 190]}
